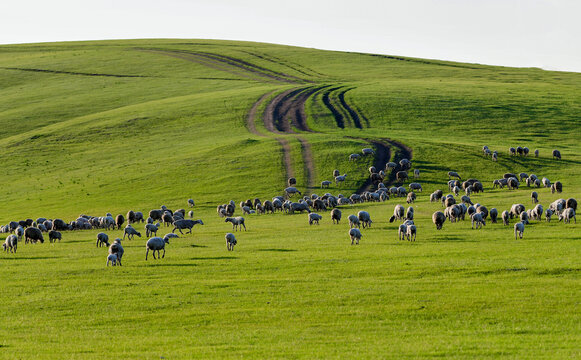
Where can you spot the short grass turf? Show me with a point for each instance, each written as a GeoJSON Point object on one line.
{"type": "Point", "coordinates": [96, 127]}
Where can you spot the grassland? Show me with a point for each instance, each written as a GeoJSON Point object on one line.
{"type": "Point", "coordinates": [96, 127]}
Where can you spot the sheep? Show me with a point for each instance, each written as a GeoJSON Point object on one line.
{"type": "Point", "coordinates": [314, 218]}
{"type": "Point", "coordinates": [354, 221]}
{"type": "Point", "coordinates": [130, 232]}
{"type": "Point", "coordinates": [409, 215]}
{"type": "Point", "coordinates": [411, 232]}
{"type": "Point", "coordinates": [494, 156]}
{"type": "Point", "coordinates": [535, 197]}
{"type": "Point", "coordinates": [548, 214]}
{"type": "Point", "coordinates": [336, 216]}
{"type": "Point", "coordinates": [454, 174]}
{"type": "Point", "coordinates": [156, 244]}
{"type": "Point", "coordinates": [567, 215]}
{"type": "Point", "coordinates": [191, 203]}
{"type": "Point", "coordinates": [416, 173]}
{"type": "Point", "coordinates": [354, 157]}
{"type": "Point", "coordinates": [151, 229]}
{"type": "Point", "coordinates": [557, 186]}
{"type": "Point", "coordinates": [117, 249]}
{"type": "Point", "coordinates": [405, 164]}
{"type": "Point", "coordinates": [411, 197]}
{"type": "Point", "coordinates": [519, 228]}
{"type": "Point", "coordinates": [556, 154]}
{"type": "Point", "coordinates": [524, 217]}
{"type": "Point", "coordinates": [355, 235]}
{"type": "Point", "coordinates": [536, 152]}
{"type": "Point", "coordinates": [523, 176]}
{"type": "Point", "coordinates": [516, 210]}
{"type": "Point", "coordinates": [546, 182]}
{"type": "Point", "coordinates": [513, 183]}
{"type": "Point", "coordinates": [512, 151]}
{"type": "Point", "coordinates": [325, 184]}
{"type": "Point", "coordinates": [436, 195]}
{"type": "Point", "coordinates": [292, 181]}
{"type": "Point", "coordinates": [167, 219]}
{"type": "Point", "coordinates": [230, 241]}
{"type": "Point", "coordinates": [390, 166]}
{"type": "Point", "coordinates": [340, 179]}
{"type": "Point", "coordinates": [402, 231]}
{"type": "Point", "coordinates": [11, 243]}
{"type": "Point", "coordinates": [571, 203]}
{"type": "Point", "coordinates": [398, 213]}
{"type": "Point", "coordinates": [525, 151]}
{"type": "Point", "coordinates": [505, 217]}
{"type": "Point", "coordinates": [112, 258]}
{"type": "Point", "coordinates": [102, 239]}
{"type": "Point", "coordinates": [478, 220]}
{"type": "Point", "coordinates": [364, 218]}
{"type": "Point", "coordinates": [236, 222]}
{"type": "Point", "coordinates": [438, 219]}
{"type": "Point", "coordinates": [336, 173]}
{"type": "Point", "coordinates": [33, 235]}
{"type": "Point", "coordinates": [138, 216]}
{"type": "Point", "coordinates": [300, 206]}
{"type": "Point", "coordinates": [401, 176]}
{"type": "Point", "coordinates": [482, 209]}
{"type": "Point", "coordinates": [449, 200]}
{"type": "Point", "coordinates": [119, 220]}
{"type": "Point", "coordinates": [493, 215]}
{"type": "Point", "coordinates": [558, 205]}
{"type": "Point", "coordinates": [54, 235]}
{"type": "Point", "coordinates": [290, 191]}
{"type": "Point", "coordinates": [537, 212]}
{"type": "Point", "coordinates": [156, 214]}
{"type": "Point", "coordinates": [466, 200]}
{"type": "Point", "coordinates": [401, 191]}
{"type": "Point", "coordinates": [416, 187]}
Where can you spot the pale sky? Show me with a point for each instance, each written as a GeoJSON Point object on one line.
{"type": "Point", "coordinates": [521, 33]}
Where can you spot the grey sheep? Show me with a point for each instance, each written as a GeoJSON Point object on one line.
{"type": "Point", "coordinates": [340, 179]}
{"type": "Point", "coordinates": [367, 151]}
{"type": "Point", "coordinates": [505, 217]}
{"type": "Point", "coordinates": [355, 235]}
{"type": "Point", "coordinates": [11, 243]}
{"type": "Point", "coordinates": [364, 218]}
{"type": "Point", "coordinates": [33, 235]}
{"type": "Point", "coordinates": [535, 197]}
{"type": "Point", "coordinates": [186, 224]}
{"type": "Point", "coordinates": [230, 241]}
{"type": "Point", "coordinates": [519, 228]}
{"type": "Point", "coordinates": [454, 174]}
{"type": "Point", "coordinates": [354, 221]}
{"type": "Point", "coordinates": [493, 215]}
{"type": "Point", "coordinates": [236, 222]}
{"type": "Point", "coordinates": [117, 249]}
{"type": "Point", "coordinates": [290, 191]}
{"type": "Point", "coordinates": [557, 186]}
{"type": "Point", "coordinates": [191, 203]}
{"type": "Point", "coordinates": [354, 157]}
{"type": "Point", "coordinates": [156, 244]}
{"type": "Point", "coordinates": [130, 232]}
{"type": "Point", "coordinates": [130, 217]}
{"type": "Point", "coordinates": [567, 215]}
{"type": "Point", "coordinates": [138, 216]}
{"type": "Point", "coordinates": [478, 220]}
{"type": "Point", "coordinates": [112, 258]}
{"type": "Point", "coordinates": [151, 229]}
{"type": "Point", "coordinates": [556, 154]}
{"type": "Point", "coordinates": [325, 184]}
{"type": "Point", "coordinates": [119, 221]}
{"type": "Point", "coordinates": [438, 218]}
{"type": "Point", "coordinates": [102, 239]}
{"type": "Point", "coordinates": [336, 215]}
{"type": "Point", "coordinates": [411, 197]}
{"type": "Point", "coordinates": [398, 213]}
{"type": "Point", "coordinates": [402, 231]}
{"type": "Point", "coordinates": [314, 218]}
{"type": "Point", "coordinates": [411, 232]}
{"type": "Point", "coordinates": [54, 235]}
{"type": "Point", "coordinates": [536, 152]}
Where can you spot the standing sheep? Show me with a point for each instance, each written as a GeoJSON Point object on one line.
{"type": "Point", "coordinates": [438, 218]}
{"type": "Point", "coordinates": [557, 186]}
{"type": "Point", "coordinates": [112, 258]}
{"type": "Point", "coordinates": [519, 228]}
{"type": "Point", "coordinates": [117, 249]}
{"type": "Point", "coordinates": [416, 173]}
{"type": "Point", "coordinates": [493, 215]}
{"type": "Point", "coordinates": [191, 203]}
{"type": "Point", "coordinates": [398, 213]}
{"type": "Point", "coordinates": [54, 235]}
{"type": "Point", "coordinates": [336, 215]}
{"type": "Point", "coordinates": [292, 181]}
{"type": "Point", "coordinates": [454, 174]}
{"type": "Point", "coordinates": [33, 235]}
{"type": "Point", "coordinates": [411, 232]}
{"type": "Point", "coordinates": [130, 232]}
{"type": "Point", "coordinates": [119, 221]}
{"type": "Point", "coordinates": [340, 179]}
{"type": "Point", "coordinates": [535, 197]}
{"type": "Point", "coordinates": [156, 244]}
{"type": "Point", "coordinates": [230, 241]}
{"type": "Point", "coordinates": [556, 154]}
{"type": "Point", "coordinates": [567, 215]}
{"type": "Point", "coordinates": [236, 222]}
{"type": "Point", "coordinates": [402, 231]}
{"type": "Point", "coordinates": [355, 235]}
{"type": "Point", "coordinates": [11, 243]}
{"type": "Point", "coordinates": [364, 218]}
{"type": "Point", "coordinates": [102, 239]}
{"type": "Point", "coordinates": [151, 229]}
{"type": "Point", "coordinates": [314, 218]}
{"type": "Point", "coordinates": [353, 221]}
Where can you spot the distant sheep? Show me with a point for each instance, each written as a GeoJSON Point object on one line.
{"type": "Point", "coordinates": [119, 221]}
{"type": "Point", "coordinates": [156, 244]}
{"type": "Point", "coordinates": [355, 235]}
{"type": "Point", "coordinates": [354, 221]}
{"type": "Point", "coordinates": [477, 220]}
{"type": "Point", "coordinates": [151, 229]}
{"type": "Point", "coordinates": [364, 218]}
{"type": "Point", "coordinates": [336, 215]}
{"type": "Point", "coordinates": [402, 231]}
{"type": "Point", "coordinates": [354, 157]}
{"type": "Point", "coordinates": [340, 179]}
{"type": "Point", "coordinates": [505, 217]}
{"type": "Point", "coordinates": [453, 174]}
{"type": "Point", "coordinates": [292, 181]}
{"type": "Point", "coordinates": [367, 151]}
{"type": "Point", "coordinates": [416, 173]}
{"type": "Point", "coordinates": [230, 241]}
{"type": "Point", "coordinates": [236, 222]}
{"type": "Point", "coordinates": [535, 197]}
{"type": "Point", "coordinates": [325, 184]}
{"type": "Point", "coordinates": [519, 228]}
{"type": "Point", "coordinates": [290, 191]}
{"type": "Point", "coordinates": [493, 215]}
{"type": "Point", "coordinates": [556, 154]}
{"type": "Point", "coordinates": [191, 203]}
{"type": "Point", "coordinates": [557, 187]}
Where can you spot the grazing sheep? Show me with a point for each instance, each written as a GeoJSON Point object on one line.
{"type": "Point", "coordinates": [390, 166]}
{"type": "Point", "coordinates": [130, 217]}
{"type": "Point", "coordinates": [191, 203]}
{"type": "Point", "coordinates": [494, 156]}
{"type": "Point", "coordinates": [558, 205]}
{"type": "Point", "coordinates": [525, 151]}
{"type": "Point", "coordinates": [536, 152]}
{"type": "Point", "coordinates": [449, 200]}
{"type": "Point", "coordinates": [156, 214]}
{"type": "Point", "coordinates": [535, 197]}
{"type": "Point", "coordinates": [156, 244]}
{"type": "Point", "coordinates": [546, 182]}
{"type": "Point", "coordinates": [411, 232]}
{"type": "Point", "coordinates": [236, 222]}
{"type": "Point", "coordinates": [567, 215]}
{"type": "Point", "coordinates": [33, 235]}
{"type": "Point", "coordinates": [454, 174]}
{"type": "Point", "coordinates": [119, 220]}
{"type": "Point", "coordinates": [167, 219]}
{"type": "Point", "coordinates": [411, 197]}
{"type": "Point", "coordinates": [112, 258]}
{"type": "Point", "coordinates": [102, 239]}
{"type": "Point", "coordinates": [355, 235]}
{"type": "Point", "coordinates": [354, 221]}
{"type": "Point", "coordinates": [290, 191]}
{"type": "Point", "coordinates": [11, 243]}
{"type": "Point", "coordinates": [138, 216]}
{"type": "Point", "coordinates": [340, 179]}
{"type": "Point", "coordinates": [230, 241]}
{"type": "Point", "coordinates": [416, 173]}
{"type": "Point", "coordinates": [300, 206]}
{"type": "Point", "coordinates": [367, 151]}
{"type": "Point", "coordinates": [117, 249]}
{"type": "Point", "coordinates": [524, 217]}
{"type": "Point", "coordinates": [466, 200]}
{"type": "Point", "coordinates": [438, 218]}
{"type": "Point", "coordinates": [482, 209]}
{"type": "Point", "coordinates": [557, 186]}
{"type": "Point", "coordinates": [493, 215]}
{"type": "Point", "coordinates": [336, 173]}
{"type": "Point", "coordinates": [401, 176]}
{"type": "Point", "coordinates": [436, 195]}
{"type": "Point", "coordinates": [512, 151]}
{"type": "Point", "coordinates": [516, 210]}
{"type": "Point", "coordinates": [556, 154]}
{"type": "Point", "coordinates": [537, 212]}
{"type": "Point", "coordinates": [398, 213]}
{"type": "Point", "coordinates": [292, 181]}
{"type": "Point", "coordinates": [336, 216]}
{"type": "Point", "coordinates": [571, 203]}
{"type": "Point", "coordinates": [364, 218]}
{"type": "Point", "coordinates": [54, 235]}
{"type": "Point", "coordinates": [354, 157]}
{"type": "Point", "coordinates": [513, 183]}
{"type": "Point", "coordinates": [519, 228]}
{"type": "Point", "coordinates": [523, 176]}
{"type": "Point", "coordinates": [130, 232]}
{"type": "Point", "coordinates": [548, 214]}
{"type": "Point", "coordinates": [325, 184]}
{"type": "Point", "coordinates": [409, 215]}
{"type": "Point", "coordinates": [314, 218]}
{"type": "Point", "coordinates": [415, 187]}
{"type": "Point", "coordinates": [402, 231]}
{"type": "Point", "coordinates": [478, 220]}
{"type": "Point", "coordinates": [151, 229]}
{"type": "Point", "coordinates": [505, 217]}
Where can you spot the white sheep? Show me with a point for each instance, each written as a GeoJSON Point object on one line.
{"type": "Point", "coordinates": [130, 232]}
{"type": "Point", "coordinates": [340, 179]}
{"type": "Point", "coordinates": [519, 228]}
{"type": "Point", "coordinates": [364, 218]}
{"type": "Point", "coordinates": [314, 218]}
{"type": "Point", "coordinates": [325, 184]}
{"type": "Point", "coordinates": [398, 213]}
{"type": "Point", "coordinates": [355, 235]}
{"type": "Point", "coordinates": [354, 157]}
{"type": "Point", "coordinates": [117, 249]}
{"type": "Point", "coordinates": [102, 239]}
{"type": "Point", "coordinates": [156, 244]}
{"type": "Point", "coordinates": [367, 151]}
{"type": "Point", "coordinates": [478, 220]}
{"type": "Point", "coordinates": [151, 229]}
{"type": "Point", "coordinates": [411, 232]}
{"type": "Point", "coordinates": [230, 241]}
{"type": "Point", "coordinates": [236, 222]}
{"type": "Point", "coordinates": [402, 231]}
{"type": "Point", "coordinates": [354, 221]}
{"type": "Point", "coordinates": [11, 243]}
{"type": "Point", "coordinates": [567, 215]}
{"type": "Point", "coordinates": [112, 258]}
{"type": "Point", "coordinates": [290, 191]}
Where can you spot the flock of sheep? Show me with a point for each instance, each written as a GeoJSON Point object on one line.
{"type": "Point", "coordinates": [456, 207]}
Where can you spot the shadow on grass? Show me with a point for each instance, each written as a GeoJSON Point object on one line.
{"type": "Point", "coordinates": [177, 265]}
{"type": "Point", "coordinates": [16, 257]}
{"type": "Point", "coordinates": [278, 250]}
{"type": "Point", "coordinates": [454, 238]}
{"type": "Point", "coordinates": [198, 246]}
{"type": "Point", "coordinates": [215, 258]}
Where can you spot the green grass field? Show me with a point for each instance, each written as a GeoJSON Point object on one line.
{"type": "Point", "coordinates": [97, 127]}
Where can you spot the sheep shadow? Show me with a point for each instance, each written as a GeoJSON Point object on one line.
{"type": "Point", "coordinates": [278, 250]}
{"type": "Point", "coordinates": [16, 257]}
{"type": "Point", "coordinates": [198, 246]}
{"type": "Point", "coordinates": [176, 265]}
{"type": "Point", "coordinates": [215, 258]}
